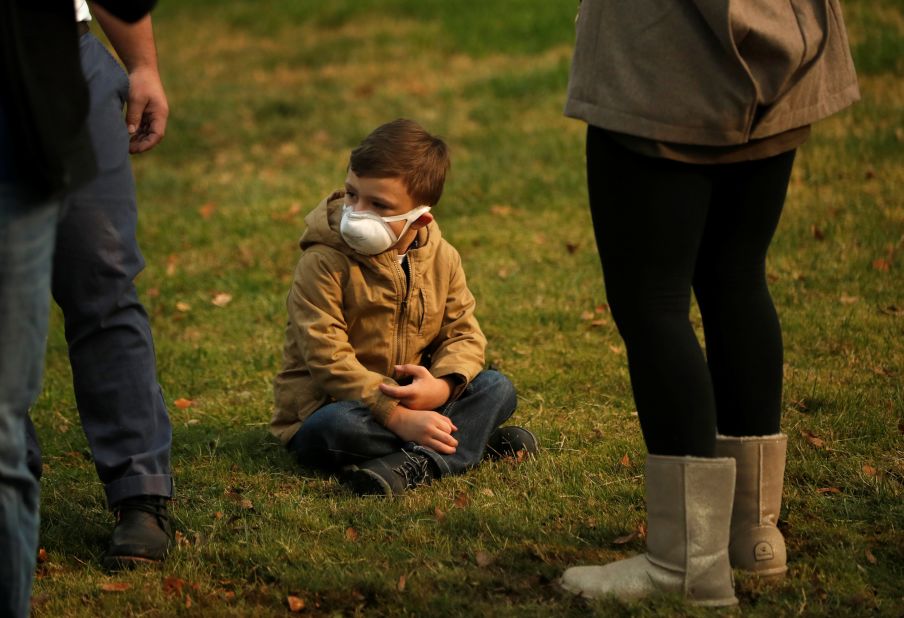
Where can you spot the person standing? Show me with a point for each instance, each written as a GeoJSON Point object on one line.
{"type": "Point", "coordinates": [96, 259]}
{"type": "Point", "coordinates": [695, 111]}
{"type": "Point", "coordinates": [45, 151]}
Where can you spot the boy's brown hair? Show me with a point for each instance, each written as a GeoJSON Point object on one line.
{"type": "Point", "coordinates": [403, 149]}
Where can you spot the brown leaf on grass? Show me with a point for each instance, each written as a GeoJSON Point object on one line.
{"type": "Point", "coordinates": [626, 538]}
{"type": "Point", "coordinates": [183, 404]}
{"type": "Point", "coordinates": [42, 555]}
{"type": "Point", "coordinates": [604, 308]}
{"type": "Point", "coordinates": [483, 559]}
{"type": "Point", "coordinates": [173, 585]}
{"type": "Point", "coordinates": [439, 515]}
{"type": "Point", "coordinates": [296, 604]}
{"type": "Point", "coordinates": [183, 307]}
{"type": "Point", "coordinates": [816, 232]}
{"type": "Point", "coordinates": [571, 247]}
{"type": "Point", "coordinates": [288, 215]}
{"type": "Point", "coordinates": [625, 461]}
{"type": "Point", "coordinates": [218, 515]}
{"type": "Point", "coordinates": [247, 504]}
{"type": "Point", "coordinates": [812, 438]}
{"type": "Point", "coordinates": [501, 210]}
{"type": "Point", "coordinates": [206, 211]}
{"type": "Point", "coordinates": [115, 586]}
{"type": "Point", "coordinates": [828, 490]}
{"type": "Point", "coordinates": [892, 310]}
{"type": "Point", "coordinates": [503, 273]}
{"type": "Point", "coordinates": [486, 491]}
{"type": "Point", "coordinates": [188, 601]}
{"type": "Point", "coordinates": [870, 557]}
{"type": "Point", "coordinates": [351, 534]}
{"type": "Point", "coordinates": [615, 349]}
{"type": "Point", "coordinates": [228, 595]}
{"type": "Point", "coordinates": [882, 265]}
{"type": "Point", "coordinates": [171, 260]}
{"type": "Point", "coordinates": [462, 500]}
{"type": "Point", "coordinates": [587, 315]}
{"type": "Point", "coordinates": [869, 470]}
{"type": "Point", "coordinates": [598, 322]}
{"type": "Point", "coordinates": [400, 586]}
{"type": "Point", "coordinates": [885, 372]}
{"type": "Point", "coordinates": [848, 300]}
{"type": "Point", "coordinates": [221, 299]}
{"type": "Point", "coordinates": [152, 292]}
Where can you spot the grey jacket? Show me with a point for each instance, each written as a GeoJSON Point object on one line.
{"type": "Point", "coordinates": [709, 72]}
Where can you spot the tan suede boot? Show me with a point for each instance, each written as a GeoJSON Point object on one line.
{"type": "Point", "coordinates": [688, 518]}
{"type": "Point", "coordinates": [757, 545]}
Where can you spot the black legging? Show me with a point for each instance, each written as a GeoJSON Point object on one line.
{"type": "Point", "coordinates": [663, 227]}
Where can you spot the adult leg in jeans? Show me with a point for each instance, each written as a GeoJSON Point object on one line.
{"type": "Point", "coordinates": [27, 229]}
{"type": "Point", "coordinates": [110, 346]}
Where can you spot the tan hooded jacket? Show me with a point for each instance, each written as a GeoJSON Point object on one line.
{"type": "Point", "coordinates": [352, 317]}
{"type": "Point", "coordinates": [709, 72]}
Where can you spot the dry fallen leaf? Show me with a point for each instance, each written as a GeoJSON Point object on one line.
{"type": "Point", "coordinates": [483, 559]}
{"type": "Point", "coordinates": [587, 315]}
{"type": "Point", "coordinates": [218, 515]}
{"type": "Point", "coordinates": [625, 461]}
{"type": "Point", "coordinates": [870, 557]}
{"type": "Point", "coordinates": [571, 247]}
{"type": "Point", "coordinates": [296, 604]}
{"type": "Point", "coordinates": [881, 264]}
{"type": "Point", "coordinates": [206, 211]}
{"type": "Point", "coordinates": [627, 538]}
{"type": "Point", "coordinates": [501, 210]}
{"type": "Point", "coordinates": [828, 490]}
{"type": "Point", "coordinates": [115, 586]}
{"type": "Point", "coordinates": [486, 491]}
{"type": "Point", "coordinates": [351, 534]}
{"type": "Point", "coordinates": [439, 515]}
{"type": "Point", "coordinates": [183, 404]}
{"type": "Point", "coordinates": [183, 307]}
{"type": "Point", "coordinates": [173, 585]}
{"type": "Point", "coordinates": [42, 555]}
{"type": "Point", "coordinates": [812, 438]}
{"type": "Point", "coordinates": [187, 601]}
{"type": "Point", "coordinates": [152, 292]}
{"type": "Point", "coordinates": [462, 500]}
{"type": "Point", "coordinates": [171, 260]}
{"type": "Point", "coordinates": [816, 232]}
{"type": "Point", "coordinates": [615, 349]}
{"type": "Point", "coordinates": [869, 470]}
{"type": "Point", "coordinates": [247, 504]}
{"type": "Point", "coordinates": [848, 300]}
{"type": "Point", "coordinates": [222, 299]}
{"type": "Point", "coordinates": [401, 585]}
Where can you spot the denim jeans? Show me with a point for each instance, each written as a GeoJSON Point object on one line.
{"type": "Point", "coordinates": [345, 432]}
{"type": "Point", "coordinates": [27, 230]}
{"type": "Point", "coordinates": [111, 351]}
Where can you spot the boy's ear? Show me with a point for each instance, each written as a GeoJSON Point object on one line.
{"type": "Point", "coordinates": [422, 221]}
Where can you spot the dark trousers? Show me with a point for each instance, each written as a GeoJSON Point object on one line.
{"type": "Point", "coordinates": [345, 432]}
{"type": "Point", "coordinates": [662, 228]}
{"type": "Point", "coordinates": [111, 350]}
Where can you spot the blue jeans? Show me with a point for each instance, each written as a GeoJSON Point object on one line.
{"type": "Point", "coordinates": [111, 351]}
{"type": "Point", "coordinates": [345, 432]}
{"type": "Point", "coordinates": [27, 230]}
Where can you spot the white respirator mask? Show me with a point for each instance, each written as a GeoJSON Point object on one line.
{"type": "Point", "coordinates": [370, 234]}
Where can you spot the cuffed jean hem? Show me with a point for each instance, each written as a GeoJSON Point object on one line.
{"type": "Point", "coordinates": [435, 457]}
{"type": "Point", "coordinates": [140, 485]}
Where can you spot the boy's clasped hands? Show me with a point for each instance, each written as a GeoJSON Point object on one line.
{"type": "Point", "coordinates": [414, 419]}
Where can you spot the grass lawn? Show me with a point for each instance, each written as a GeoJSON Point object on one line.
{"type": "Point", "coordinates": [268, 97]}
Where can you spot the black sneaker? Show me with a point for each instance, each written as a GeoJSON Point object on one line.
{"type": "Point", "coordinates": [511, 441]}
{"type": "Point", "coordinates": [142, 533]}
{"type": "Point", "coordinates": [389, 475]}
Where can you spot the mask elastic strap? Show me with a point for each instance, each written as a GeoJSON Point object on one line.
{"type": "Point", "coordinates": [409, 218]}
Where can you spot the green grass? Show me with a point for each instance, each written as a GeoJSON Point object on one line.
{"type": "Point", "coordinates": [267, 98]}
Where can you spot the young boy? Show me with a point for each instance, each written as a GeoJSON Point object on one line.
{"type": "Point", "coordinates": [383, 363]}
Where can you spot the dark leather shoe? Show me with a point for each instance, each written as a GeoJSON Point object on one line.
{"type": "Point", "coordinates": [390, 475]}
{"type": "Point", "coordinates": [510, 441]}
{"type": "Point", "coordinates": [142, 534]}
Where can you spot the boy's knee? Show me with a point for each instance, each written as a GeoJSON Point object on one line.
{"type": "Point", "coordinates": [492, 381]}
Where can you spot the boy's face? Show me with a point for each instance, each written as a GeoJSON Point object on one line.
{"type": "Point", "coordinates": [385, 197]}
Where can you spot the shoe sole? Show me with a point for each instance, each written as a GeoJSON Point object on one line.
{"type": "Point", "coordinates": [366, 482]}
{"type": "Point", "coordinates": [127, 563]}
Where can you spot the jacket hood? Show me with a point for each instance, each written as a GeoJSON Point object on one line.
{"type": "Point", "coordinates": [323, 229]}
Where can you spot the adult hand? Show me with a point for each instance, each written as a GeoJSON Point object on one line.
{"type": "Point", "coordinates": [424, 393]}
{"type": "Point", "coordinates": [423, 427]}
{"type": "Point", "coordinates": [146, 110]}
